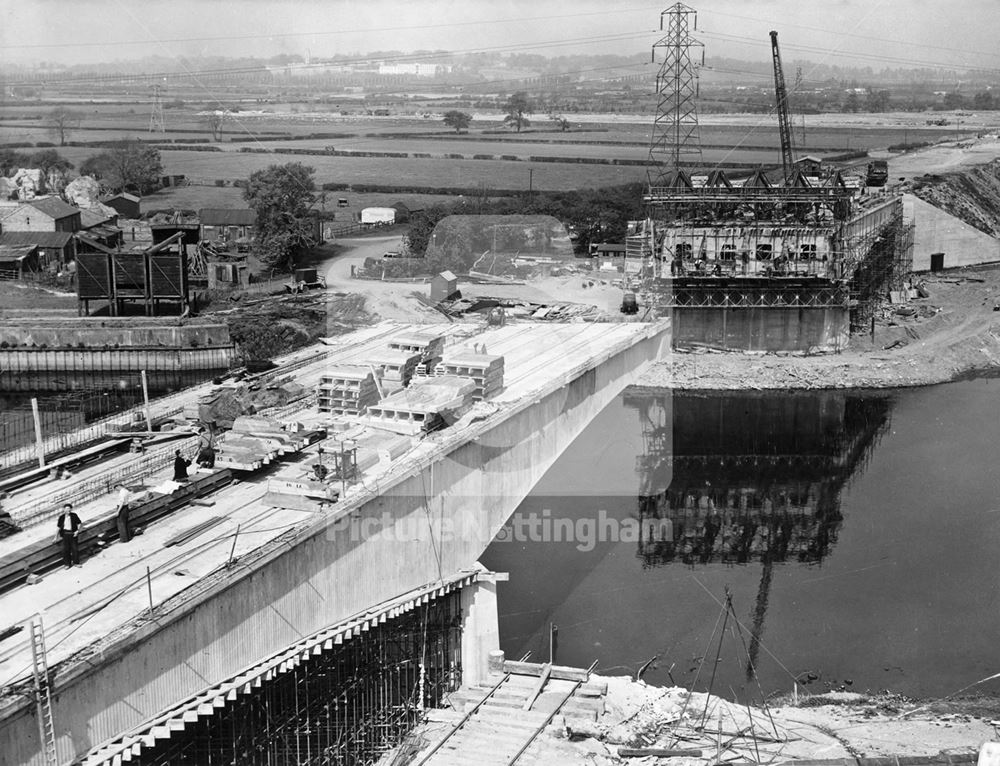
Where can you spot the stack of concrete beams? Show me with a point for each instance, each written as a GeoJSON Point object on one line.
{"type": "Point", "coordinates": [397, 368]}
{"type": "Point", "coordinates": [427, 343]}
{"type": "Point", "coordinates": [485, 369]}
{"type": "Point", "coordinates": [348, 389]}
{"type": "Point", "coordinates": [255, 442]}
{"type": "Point", "coordinates": [425, 406]}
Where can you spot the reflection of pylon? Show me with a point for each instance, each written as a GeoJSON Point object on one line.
{"type": "Point", "coordinates": [675, 128]}
{"type": "Point", "coordinates": [156, 116]}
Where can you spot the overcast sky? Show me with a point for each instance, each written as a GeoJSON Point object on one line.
{"type": "Point", "coordinates": [881, 32]}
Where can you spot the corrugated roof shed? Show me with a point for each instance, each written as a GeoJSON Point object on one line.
{"type": "Point", "coordinates": [40, 238]}
{"type": "Point", "coordinates": [123, 195]}
{"type": "Point", "coordinates": [216, 216]}
{"type": "Point", "coordinates": [91, 218]}
{"type": "Point", "coordinates": [16, 252]}
{"type": "Point", "coordinates": [54, 207]}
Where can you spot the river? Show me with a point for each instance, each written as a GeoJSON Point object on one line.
{"type": "Point", "coordinates": [856, 534]}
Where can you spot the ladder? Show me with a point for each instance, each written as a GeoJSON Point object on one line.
{"type": "Point", "coordinates": [43, 697]}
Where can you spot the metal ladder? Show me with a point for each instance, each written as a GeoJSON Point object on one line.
{"type": "Point", "coordinates": [43, 697]}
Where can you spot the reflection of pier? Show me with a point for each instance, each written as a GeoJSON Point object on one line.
{"type": "Point", "coordinates": [751, 477]}
{"type": "Point", "coordinates": [735, 479]}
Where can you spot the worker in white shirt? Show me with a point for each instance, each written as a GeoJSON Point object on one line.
{"type": "Point", "coordinates": [124, 533]}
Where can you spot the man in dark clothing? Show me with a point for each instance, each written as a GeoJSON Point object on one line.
{"type": "Point", "coordinates": [69, 531]}
{"type": "Point", "coordinates": [180, 466]}
{"type": "Point", "coordinates": [124, 533]}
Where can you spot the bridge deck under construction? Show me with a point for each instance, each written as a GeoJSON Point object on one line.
{"type": "Point", "coordinates": [121, 593]}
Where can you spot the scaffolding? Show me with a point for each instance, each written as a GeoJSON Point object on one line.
{"type": "Point", "coordinates": [349, 705]}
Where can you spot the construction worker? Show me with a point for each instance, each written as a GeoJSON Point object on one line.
{"type": "Point", "coordinates": [124, 533]}
{"type": "Point", "coordinates": [181, 464]}
{"type": "Point", "coordinates": [69, 531]}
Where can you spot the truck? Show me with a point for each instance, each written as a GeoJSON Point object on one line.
{"type": "Point", "coordinates": [878, 173]}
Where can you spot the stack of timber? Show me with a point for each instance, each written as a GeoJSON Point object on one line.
{"type": "Point", "coordinates": [349, 389]}
{"type": "Point", "coordinates": [485, 369]}
{"type": "Point", "coordinates": [255, 442]}
{"type": "Point", "coordinates": [427, 343]}
{"type": "Point", "coordinates": [397, 368]}
{"type": "Point", "coordinates": [425, 406]}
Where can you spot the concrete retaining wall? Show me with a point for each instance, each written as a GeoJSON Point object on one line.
{"type": "Point", "coordinates": [762, 329]}
{"type": "Point", "coordinates": [440, 517]}
{"type": "Point", "coordinates": [936, 231]}
{"type": "Point", "coordinates": [102, 334]}
{"type": "Point", "coordinates": [37, 369]}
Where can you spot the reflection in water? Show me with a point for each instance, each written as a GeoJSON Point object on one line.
{"type": "Point", "coordinates": [732, 479]}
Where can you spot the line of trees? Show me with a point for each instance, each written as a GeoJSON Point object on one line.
{"type": "Point", "coordinates": [129, 166]}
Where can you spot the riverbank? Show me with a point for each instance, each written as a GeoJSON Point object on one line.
{"type": "Point", "coordinates": [835, 729]}
{"type": "Point", "coordinates": [952, 334]}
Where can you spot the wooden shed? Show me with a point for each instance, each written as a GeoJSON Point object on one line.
{"type": "Point", "coordinates": [444, 286]}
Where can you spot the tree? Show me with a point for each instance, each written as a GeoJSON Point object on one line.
{"type": "Point", "coordinates": [561, 121]}
{"type": "Point", "coordinates": [851, 104]}
{"type": "Point", "coordinates": [54, 167]}
{"type": "Point", "coordinates": [128, 166]}
{"type": "Point", "coordinates": [10, 161]}
{"type": "Point", "coordinates": [282, 196]}
{"type": "Point", "coordinates": [983, 101]}
{"type": "Point", "coordinates": [458, 120]}
{"type": "Point", "coordinates": [60, 121]}
{"type": "Point", "coordinates": [877, 100]}
{"type": "Point", "coordinates": [216, 121]}
{"type": "Point", "coordinates": [954, 100]}
{"type": "Point", "coordinates": [518, 106]}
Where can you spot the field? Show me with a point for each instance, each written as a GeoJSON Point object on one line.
{"type": "Point", "coordinates": [733, 141]}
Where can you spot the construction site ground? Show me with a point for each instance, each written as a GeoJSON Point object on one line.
{"type": "Point", "coordinates": [835, 728]}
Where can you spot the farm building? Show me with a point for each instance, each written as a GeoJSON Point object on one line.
{"type": "Point", "coordinates": [18, 260]}
{"type": "Point", "coordinates": [226, 224]}
{"type": "Point", "coordinates": [404, 211]}
{"type": "Point", "coordinates": [607, 250]}
{"type": "Point", "coordinates": [126, 204]}
{"type": "Point", "coordinates": [54, 247]}
{"type": "Point", "coordinates": [42, 214]}
{"type": "Point", "coordinates": [378, 216]}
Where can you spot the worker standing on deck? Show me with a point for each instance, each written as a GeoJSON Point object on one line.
{"type": "Point", "coordinates": [180, 466]}
{"type": "Point", "coordinates": [124, 532]}
{"type": "Point", "coordinates": [69, 530]}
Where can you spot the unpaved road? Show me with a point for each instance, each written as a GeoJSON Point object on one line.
{"type": "Point", "coordinates": [389, 300]}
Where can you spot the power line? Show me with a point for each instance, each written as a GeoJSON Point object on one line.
{"type": "Point", "coordinates": [617, 11]}
{"type": "Point", "coordinates": [723, 37]}
{"type": "Point", "coordinates": [852, 35]}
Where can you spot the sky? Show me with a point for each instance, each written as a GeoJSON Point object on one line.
{"type": "Point", "coordinates": [877, 33]}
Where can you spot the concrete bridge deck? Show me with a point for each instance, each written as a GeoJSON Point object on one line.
{"type": "Point", "coordinates": [223, 600]}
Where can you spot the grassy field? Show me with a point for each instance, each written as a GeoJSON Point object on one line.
{"type": "Point", "coordinates": [439, 173]}
{"type": "Point", "coordinates": [197, 197]}
{"type": "Point", "coordinates": [727, 139]}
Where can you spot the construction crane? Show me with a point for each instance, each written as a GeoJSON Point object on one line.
{"type": "Point", "coordinates": [784, 123]}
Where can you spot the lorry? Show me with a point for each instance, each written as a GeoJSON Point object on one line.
{"type": "Point", "coordinates": [878, 173]}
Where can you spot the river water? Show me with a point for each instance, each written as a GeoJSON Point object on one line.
{"type": "Point", "coordinates": [857, 535]}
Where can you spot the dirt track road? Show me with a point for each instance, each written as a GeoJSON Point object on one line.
{"type": "Point", "coordinates": [390, 300]}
